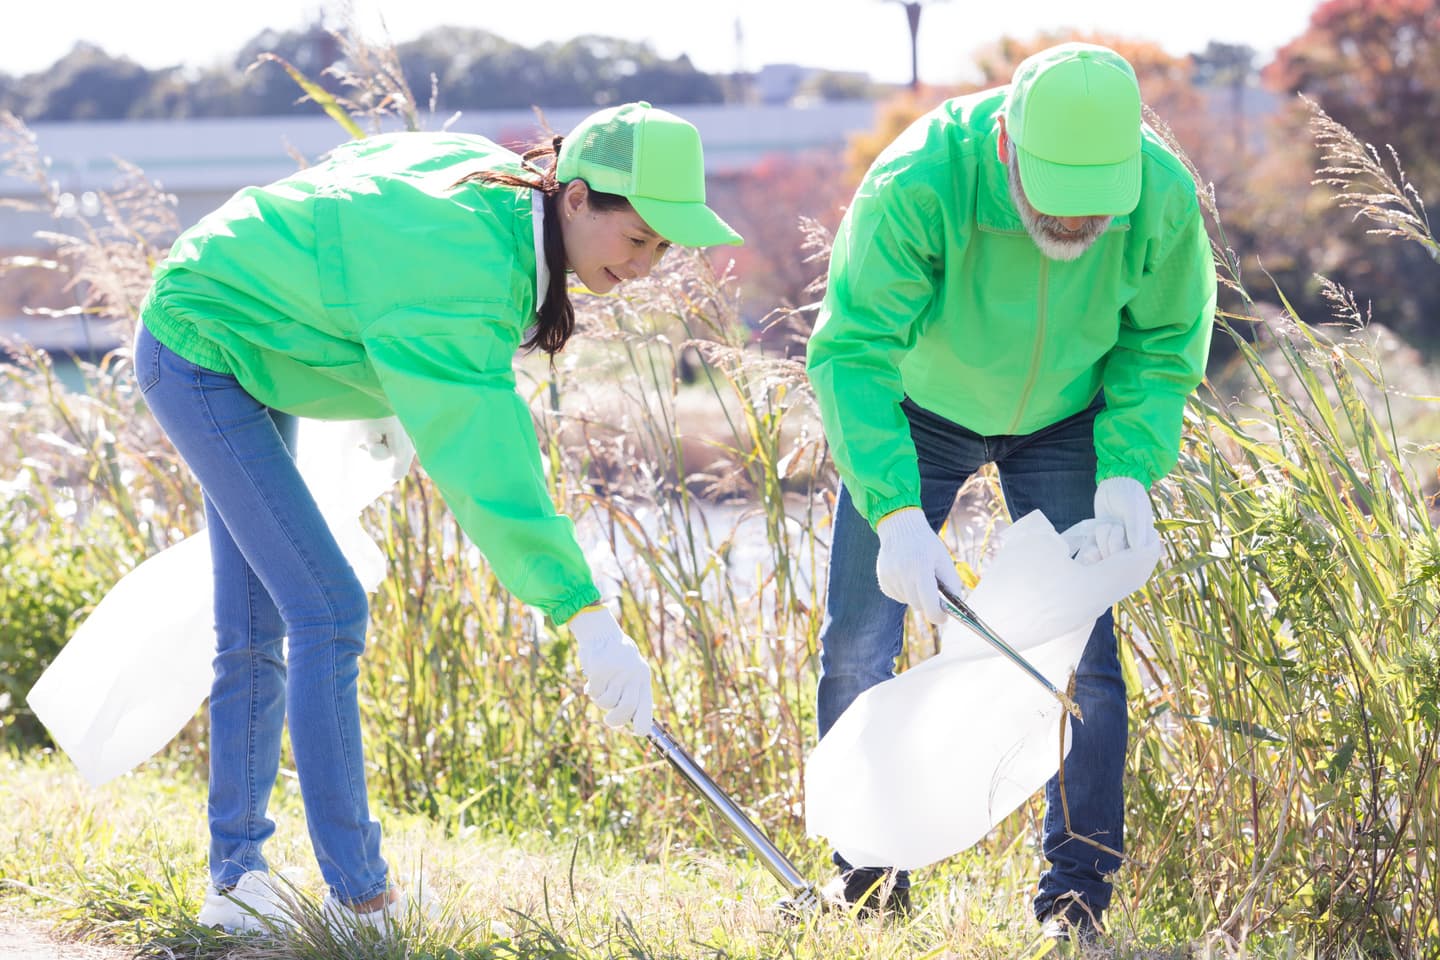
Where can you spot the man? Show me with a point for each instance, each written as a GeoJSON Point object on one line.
{"type": "Point", "coordinates": [1022, 278]}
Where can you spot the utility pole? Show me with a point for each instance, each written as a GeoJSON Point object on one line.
{"type": "Point", "coordinates": [912, 16]}
{"type": "Point", "coordinates": [912, 13]}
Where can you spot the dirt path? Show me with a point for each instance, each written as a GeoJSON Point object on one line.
{"type": "Point", "coordinates": [28, 940]}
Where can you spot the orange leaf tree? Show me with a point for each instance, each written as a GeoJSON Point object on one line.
{"type": "Point", "coordinates": [1374, 66]}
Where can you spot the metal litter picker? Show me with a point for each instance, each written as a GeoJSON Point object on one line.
{"type": "Point", "coordinates": [959, 610]}
{"type": "Point", "coordinates": [803, 897]}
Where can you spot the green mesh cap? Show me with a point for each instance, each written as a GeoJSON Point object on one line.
{"type": "Point", "coordinates": [653, 159]}
{"type": "Point", "coordinates": [1073, 112]}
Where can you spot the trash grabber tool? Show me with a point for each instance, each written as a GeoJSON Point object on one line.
{"type": "Point", "coordinates": [960, 610]}
{"type": "Point", "coordinates": [803, 897]}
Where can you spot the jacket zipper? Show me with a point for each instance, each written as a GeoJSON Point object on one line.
{"type": "Point", "coordinates": [1042, 306]}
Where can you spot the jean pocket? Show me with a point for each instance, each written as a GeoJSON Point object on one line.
{"type": "Point", "coordinates": [147, 359]}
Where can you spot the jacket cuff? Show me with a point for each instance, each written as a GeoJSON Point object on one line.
{"type": "Point", "coordinates": [565, 611]}
{"type": "Point", "coordinates": [590, 608]}
{"type": "Point", "coordinates": [880, 509]}
{"type": "Point", "coordinates": [1135, 470]}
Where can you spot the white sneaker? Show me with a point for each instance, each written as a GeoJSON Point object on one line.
{"type": "Point", "coordinates": [253, 905]}
{"type": "Point", "coordinates": [384, 919]}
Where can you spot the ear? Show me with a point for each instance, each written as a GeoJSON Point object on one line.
{"type": "Point", "coordinates": [573, 198]}
{"type": "Point", "coordinates": [1004, 144]}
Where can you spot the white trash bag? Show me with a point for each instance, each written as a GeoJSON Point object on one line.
{"type": "Point", "coordinates": [140, 665]}
{"type": "Point", "coordinates": [922, 766]}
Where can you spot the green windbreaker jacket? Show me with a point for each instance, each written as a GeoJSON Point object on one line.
{"type": "Point", "coordinates": [936, 292]}
{"type": "Point", "coordinates": [367, 286]}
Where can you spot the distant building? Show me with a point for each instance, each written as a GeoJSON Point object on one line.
{"type": "Point", "coordinates": [790, 83]}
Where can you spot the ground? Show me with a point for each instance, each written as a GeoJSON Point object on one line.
{"type": "Point", "coordinates": [27, 940]}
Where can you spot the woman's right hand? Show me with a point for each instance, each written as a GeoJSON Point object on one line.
{"type": "Point", "coordinates": [617, 677]}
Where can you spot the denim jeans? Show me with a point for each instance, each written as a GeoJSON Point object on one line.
{"type": "Point", "coordinates": [278, 572]}
{"type": "Point", "coordinates": [1052, 470]}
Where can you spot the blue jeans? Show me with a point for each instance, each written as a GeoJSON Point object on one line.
{"type": "Point", "coordinates": [1052, 470]}
{"type": "Point", "coordinates": [278, 572]}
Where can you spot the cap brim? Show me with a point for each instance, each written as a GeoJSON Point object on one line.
{"type": "Point", "coordinates": [686, 224]}
{"type": "Point", "coordinates": [1097, 190]}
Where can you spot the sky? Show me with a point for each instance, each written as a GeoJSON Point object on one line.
{"type": "Point", "coordinates": [719, 36]}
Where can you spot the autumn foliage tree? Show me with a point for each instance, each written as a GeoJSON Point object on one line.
{"type": "Point", "coordinates": [1374, 67]}
{"type": "Point", "coordinates": [765, 204]}
{"type": "Point", "coordinates": [1166, 83]}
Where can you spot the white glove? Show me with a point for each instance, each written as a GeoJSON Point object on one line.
{"type": "Point", "coordinates": [1080, 541]}
{"type": "Point", "coordinates": [617, 677]}
{"type": "Point", "coordinates": [389, 446]}
{"type": "Point", "coordinates": [1123, 515]}
{"type": "Point", "coordinates": [912, 560]}
{"type": "Point", "coordinates": [377, 443]}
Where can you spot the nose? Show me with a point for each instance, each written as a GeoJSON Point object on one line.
{"type": "Point", "coordinates": [640, 266]}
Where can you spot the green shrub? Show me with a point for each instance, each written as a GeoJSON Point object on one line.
{"type": "Point", "coordinates": [46, 589]}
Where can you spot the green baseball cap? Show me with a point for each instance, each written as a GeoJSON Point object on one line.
{"type": "Point", "coordinates": [653, 159]}
{"type": "Point", "coordinates": [1073, 112]}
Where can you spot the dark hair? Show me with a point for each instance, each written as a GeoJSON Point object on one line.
{"type": "Point", "coordinates": [555, 318]}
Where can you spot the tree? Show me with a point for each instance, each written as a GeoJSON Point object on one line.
{"type": "Point", "coordinates": [85, 84]}
{"type": "Point", "coordinates": [9, 94]}
{"type": "Point", "coordinates": [472, 68]}
{"type": "Point", "coordinates": [835, 85]}
{"type": "Point", "coordinates": [477, 69]}
{"type": "Point", "coordinates": [1374, 66]}
{"type": "Point", "coordinates": [1230, 67]}
{"type": "Point", "coordinates": [269, 89]}
{"type": "Point", "coordinates": [597, 71]}
{"type": "Point", "coordinates": [765, 204]}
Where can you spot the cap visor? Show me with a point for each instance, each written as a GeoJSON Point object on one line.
{"type": "Point", "coordinates": [1062, 190]}
{"type": "Point", "coordinates": [687, 224]}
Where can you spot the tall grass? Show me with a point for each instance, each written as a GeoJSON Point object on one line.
{"type": "Point", "coordinates": [1285, 683]}
{"type": "Point", "coordinates": [1286, 765]}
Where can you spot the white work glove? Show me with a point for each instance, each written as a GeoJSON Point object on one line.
{"type": "Point", "coordinates": [1123, 516]}
{"type": "Point", "coordinates": [617, 677]}
{"type": "Point", "coordinates": [1080, 541]}
{"type": "Point", "coordinates": [912, 560]}
{"type": "Point", "coordinates": [385, 440]}
{"type": "Point", "coordinates": [377, 443]}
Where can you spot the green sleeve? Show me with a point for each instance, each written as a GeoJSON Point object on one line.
{"type": "Point", "coordinates": [884, 269]}
{"type": "Point", "coordinates": [1158, 359]}
{"type": "Point", "coordinates": [454, 392]}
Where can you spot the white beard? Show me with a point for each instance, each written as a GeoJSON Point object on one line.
{"type": "Point", "coordinates": [1052, 239]}
{"type": "Point", "coordinates": [1055, 249]}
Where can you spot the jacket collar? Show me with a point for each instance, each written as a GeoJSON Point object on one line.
{"type": "Point", "coordinates": [542, 269]}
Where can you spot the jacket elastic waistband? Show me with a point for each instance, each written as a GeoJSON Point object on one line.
{"type": "Point", "coordinates": [181, 336]}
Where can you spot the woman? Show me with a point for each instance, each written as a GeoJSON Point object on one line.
{"type": "Point", "coordinates": [398, 278]}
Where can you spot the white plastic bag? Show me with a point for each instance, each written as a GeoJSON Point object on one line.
{"type": "Point", "coordinates": [140, 665]}
{"type": "Point", "coordinates": [922, 766]}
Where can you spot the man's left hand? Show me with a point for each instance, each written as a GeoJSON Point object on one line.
{"type": "Point", "coordinates": [1123, 516]}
